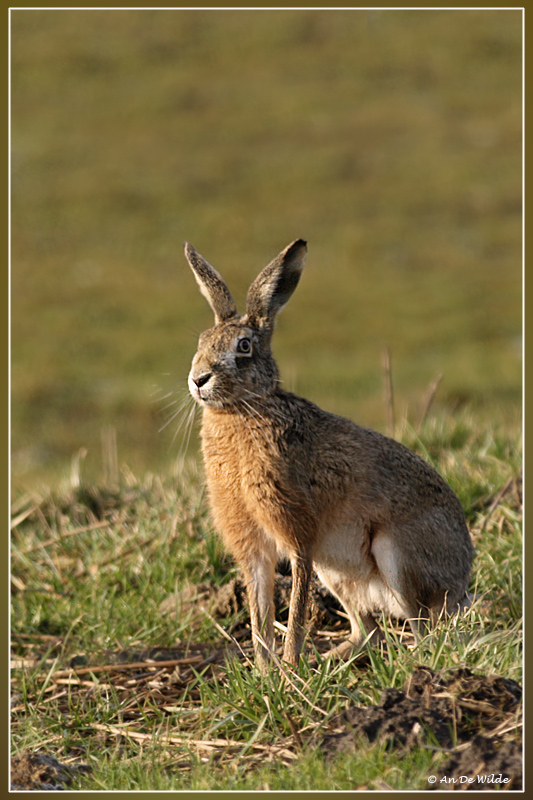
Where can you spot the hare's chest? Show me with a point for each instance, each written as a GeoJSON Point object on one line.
{"type": "Point", "coordinates": [232, 468]}
{"type": "Point", "coordinates": [236, 449]}
{"type": "Point", "coordinates": [243, 477]}
{"type": "Point", "coordinates": [222, 464]}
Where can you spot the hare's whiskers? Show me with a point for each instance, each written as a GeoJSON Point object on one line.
{"type": "Point", "coordinates": [168, 405]}
{"type": "Point", "coordinates": [174, 414]}
{"type": "Point", "coordinates": [259, 400]}
{"type": "Point", "coordinates": [256, 414]}
{"type": "Point", "coordinates": [156, 390]}
{"type": "Point", "coordinates": [168, 394]}
{"type": "Point", "coordinates": [184, 412]}
{"type": "Point", "coordinates": [189, 423]}
{"type": "Point", "coordinates": [249, 428]}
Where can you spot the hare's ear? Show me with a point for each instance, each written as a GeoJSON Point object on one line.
{"type": "Point", "coordinates": [212, 286]}
{"type": "Point", "coordinates": [275, 284]}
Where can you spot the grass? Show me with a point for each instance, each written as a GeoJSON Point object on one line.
{"type": "Point", "coordinates": [94, 565]}
{"type": "Point", "coordinates": [390, 140]}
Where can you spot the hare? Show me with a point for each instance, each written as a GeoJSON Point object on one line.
{"type": "Point", "coordinates": [380, 527]}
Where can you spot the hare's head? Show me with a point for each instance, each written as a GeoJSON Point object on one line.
{"type": "Point", "coordinates": [234, 361]}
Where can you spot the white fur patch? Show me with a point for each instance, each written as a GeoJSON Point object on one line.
{"type": "Point", "coordinates": [362, 583]}
{"type": "Point", "coordinates": [386, 557]}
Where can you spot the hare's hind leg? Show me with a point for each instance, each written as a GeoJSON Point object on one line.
{"type": "Point", "coordinates": [365, 631]}
{"type": "Point", "coordinates": [363, 625]}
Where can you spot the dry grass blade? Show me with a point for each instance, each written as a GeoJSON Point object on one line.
{"type": "Point", "coordinates": [19, 585]}
{"type": "Point", "coordinates": [389, 391]}
{"type": "Point", "coordinates": [227, 636]}
{"type": "Point", "coordinates": [428, 400]}
{"type": "Point", "coordinates": [382, 786]}
{"type": "Point", "coordinates": [477, 705]}
{"type": "Point", "coordinates": [128, 550]}
{"type": "Point", "coordinates": [15, 522]}
{"type": "Point", "coordinates": [66, 534]}
{"type": "Point", "coordinates": [156, 665]}
{"type": "Point", "coordinates": [200, 744]}
{"type": "Point", "coordinates": [505, 727]}
{"type": "Point", "coordinates": [496, 502]}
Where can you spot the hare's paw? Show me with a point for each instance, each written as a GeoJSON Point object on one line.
{"type": "Point", "coordinates": [357, 645]}
{"type": "Point", "coordinates": [347, 650]}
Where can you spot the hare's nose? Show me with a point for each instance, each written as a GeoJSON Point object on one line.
{"type": "Point", "coordinates": [202, 380]}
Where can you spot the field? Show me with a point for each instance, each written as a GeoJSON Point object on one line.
{"type": "Point", "coordinates": [391, 142]}
{"type": "Point", "coordinates": [132, 658]}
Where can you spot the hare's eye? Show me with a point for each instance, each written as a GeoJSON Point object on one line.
{"type": "Point", "coordinates": [244, 346]}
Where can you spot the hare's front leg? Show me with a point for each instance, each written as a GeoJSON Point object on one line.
{"type": "Point", "coordinates": [301, 566]}
{"type": "Point", "coordinates": [259, 566]}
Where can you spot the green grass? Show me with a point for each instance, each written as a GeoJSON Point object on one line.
{"type": "Point", "coordinates": [390, 140]}
{"type": "Point", "coordinates": [93, 566]}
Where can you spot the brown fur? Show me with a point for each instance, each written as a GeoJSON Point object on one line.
{"type": "Point", "coordinates": [379, 525]}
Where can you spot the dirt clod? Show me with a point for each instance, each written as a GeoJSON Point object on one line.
{"type": "Point", "coordinates": [230, 598]}
{"type": "Point", "coordinates": [484, 760]}
{"type": "Point", "coordinates": [40, 771]}
{"type": "Point", "coordinates": [323, 607]}
{"type": "Point", "coordinates": [458, 711]}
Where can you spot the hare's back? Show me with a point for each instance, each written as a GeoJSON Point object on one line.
{"type": "Point", "coordinates": [366, 462]}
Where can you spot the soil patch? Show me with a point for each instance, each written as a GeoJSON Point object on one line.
{"type": "Point", "coordinates": [230, 599]}
{"type": "Point", "coordinates": [470, 715]}
{"type": "Point", "coordinates": [39, 771]}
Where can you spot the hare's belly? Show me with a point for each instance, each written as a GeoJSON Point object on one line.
{"type": "Point", "coordinates": [344, 562]}
{"type": "Point", "coordinates": [344, 548]}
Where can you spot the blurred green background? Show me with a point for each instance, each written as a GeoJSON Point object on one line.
{"type": "Point", "coordinates": [390, 140]}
